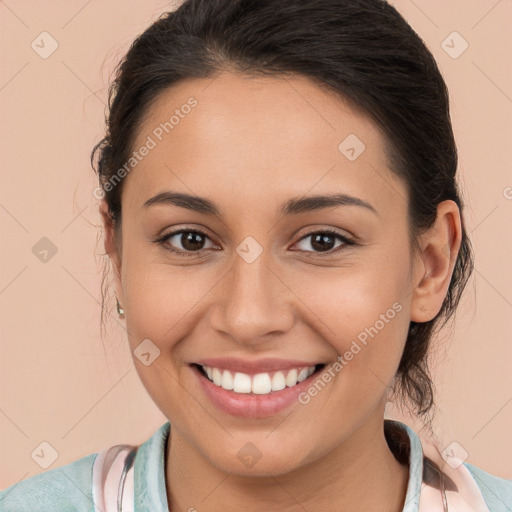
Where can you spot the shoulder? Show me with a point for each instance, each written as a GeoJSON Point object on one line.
{"type": "Point", "coordinates": [497, 492]}
{"type": "Point", "coordinates": [66, 488]}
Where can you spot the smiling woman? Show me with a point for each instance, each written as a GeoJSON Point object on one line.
{"type": "Point", "coordinates": [283, 250]}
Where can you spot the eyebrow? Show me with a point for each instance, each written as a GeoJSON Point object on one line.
{"type": "Point", "coordinates": [295, 205]}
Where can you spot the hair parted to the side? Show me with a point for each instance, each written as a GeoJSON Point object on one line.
{"type": "Point", "coordinates": [362, 49]}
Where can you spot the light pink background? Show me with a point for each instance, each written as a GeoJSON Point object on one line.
{"type": "Point", "coordinates": [58, 384]}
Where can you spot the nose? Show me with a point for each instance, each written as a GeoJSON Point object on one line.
{"type": "Point", "coordinates": [253, 305]}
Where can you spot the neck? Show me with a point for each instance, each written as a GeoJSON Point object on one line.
{"type": "Point", "coordinates": [358, 475]}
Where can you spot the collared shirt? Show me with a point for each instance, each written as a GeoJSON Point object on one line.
{"type": "Point", "coordinates": [128, 478]}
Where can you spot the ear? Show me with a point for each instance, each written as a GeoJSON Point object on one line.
{"type": "Point", "coordinates": [111, 248]}
{"type": "Point", "coordinates": [439, 247]}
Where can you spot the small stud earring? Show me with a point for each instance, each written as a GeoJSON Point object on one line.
{"type": "Point", "coordinates": [120, 309]}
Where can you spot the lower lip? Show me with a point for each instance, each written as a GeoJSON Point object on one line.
{"type": "Point", "coordinates": [250, 405]}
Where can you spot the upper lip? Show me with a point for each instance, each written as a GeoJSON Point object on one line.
{"type": "Point", "coordinates": [256, 366]}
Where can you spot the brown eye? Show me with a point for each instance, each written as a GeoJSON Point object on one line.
{"type": "Point", "coordinates": [324, 241]}
{"type": "Point", "coordinates": [185, 241]}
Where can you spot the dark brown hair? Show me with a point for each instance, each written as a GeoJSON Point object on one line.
{"type": "Point", "coordinates": [364, 50]}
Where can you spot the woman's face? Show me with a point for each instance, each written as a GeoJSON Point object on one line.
{"type": "Point", "coordinates": [265, 289]}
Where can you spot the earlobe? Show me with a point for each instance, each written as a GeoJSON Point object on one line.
{"type": "Point", "coordinates": [439, 249]}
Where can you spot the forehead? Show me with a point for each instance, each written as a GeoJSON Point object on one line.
{"type": "Point", "coordinates": [246, 135]}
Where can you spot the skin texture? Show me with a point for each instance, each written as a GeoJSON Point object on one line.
{"type": "Point", "coordinates": [249, 145]}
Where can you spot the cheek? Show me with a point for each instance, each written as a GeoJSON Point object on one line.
{"type": "Point", "coordinates": [161, 303]}
{"type": "Point", "coordinates": [368, 330]}
{"type": "Point", "coordinates": [159, 296]}
{"type": "Point", "coordinates": [159, 299]}
{"type": "Point", "coordinates": [362, 311]}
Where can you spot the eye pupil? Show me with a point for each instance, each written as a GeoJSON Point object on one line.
{"type": "Point", "coordinates": [191, 240]}
{"type": "Point", "coordinates": [322, 241]}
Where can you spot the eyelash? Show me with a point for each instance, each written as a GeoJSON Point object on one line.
{"type": "Point", "coordinates": [162, 241]}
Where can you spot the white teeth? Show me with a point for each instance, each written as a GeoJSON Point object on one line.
{"type": "Point", "coordinates": [227, 380]}
{"type": "Point", "coordinates": [278, 381]}
{"type": "Point", "coordinates": [303, 374]}
{"type": "Point", "coordinates": [291, 378]}
{"type": "Point", "coordinates": [241, 383]}
{"type": "Point", "coordinates": [259, 384]}
{"type": "Point", "coordinates": [217, 376]}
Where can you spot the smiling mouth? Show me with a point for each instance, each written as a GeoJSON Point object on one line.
{"type": "Point", "coordinates": [260, 383]}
